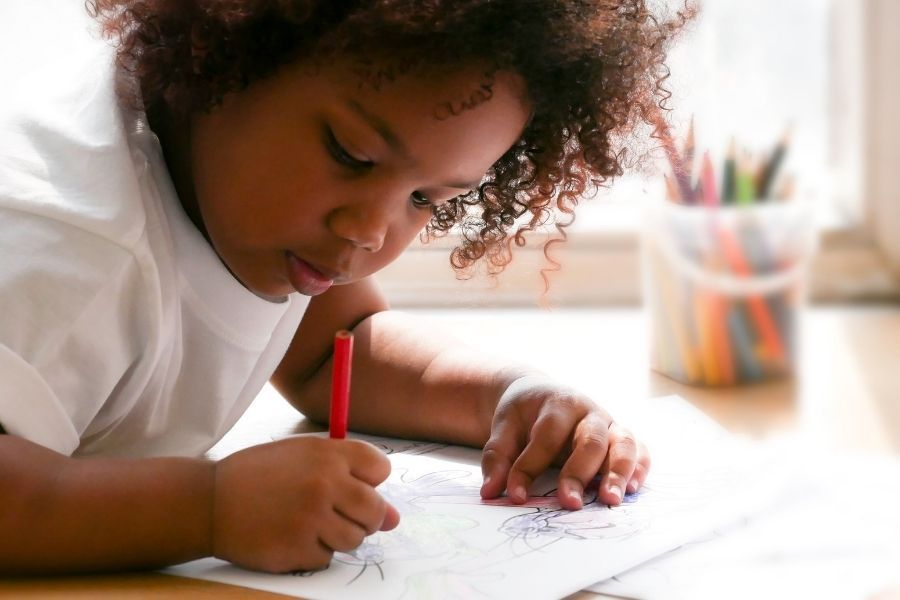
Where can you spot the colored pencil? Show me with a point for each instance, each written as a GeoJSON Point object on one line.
{"type": "Point", "coordinates": [708, 178]}
{"type": "Point", "coordinates": [762, 261]}
{"type": "Point", "coordinates": [706, 337]}
{"type": "Point", "coordinates": [719, 309]}
{"type": "Point", "coordinates": [739, 328]}
{"type": "Point", "coordinates": [729, 178]}
{"type": "Point", "coordinates": [759, 311]}
{"type": "Point", "coordinates": [698, 192]}
{"type": "Point", "coordinates": [689, 365]}
{"type": "Point", "coordinates": [717, 304]}
{"type": "Point", "coordinates": [682, 178]}
{"type": "Point", "coordinates": [340, 384]}
{"type": "Point", "coordinates": [772, 166]}
{"type": "Point", "coordinates": [746, 188]}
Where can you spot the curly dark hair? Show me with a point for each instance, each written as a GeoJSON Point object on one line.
{"type": "Point", "coordinates": [594, 71]}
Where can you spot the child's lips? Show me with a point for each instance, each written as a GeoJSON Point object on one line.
{"type": "Point", "coordinates": [305, 278]}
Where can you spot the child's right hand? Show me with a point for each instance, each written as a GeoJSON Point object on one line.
{"type": "Point", "coordinates": [291, 504]}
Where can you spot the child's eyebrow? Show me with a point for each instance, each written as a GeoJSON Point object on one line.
{"type": "Point", "coordinates": [395, 143]}
{"type": "Point", "coordinates": [383, 129]}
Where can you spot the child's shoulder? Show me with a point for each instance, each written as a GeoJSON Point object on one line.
{"type": "Point", "coordinates": [66, 152]}
{"type": "Point", "coordinates": [74, 186]}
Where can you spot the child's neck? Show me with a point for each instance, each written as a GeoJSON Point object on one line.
{"type": "Point", "coordinates": [175, 139]}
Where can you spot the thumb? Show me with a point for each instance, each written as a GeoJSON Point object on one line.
{"type": "Point", "coordinates": [497, 459]}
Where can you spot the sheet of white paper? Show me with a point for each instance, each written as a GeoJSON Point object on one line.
{"type": "Point", "coordinates": [837, 536]}
{"type": "Point", "coordinates": [450, 544]}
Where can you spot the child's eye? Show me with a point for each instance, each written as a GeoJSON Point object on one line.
{"type": "Point", "coordinates": [419, 200]}
{"type": "Point", "coordinates": [342, 156]}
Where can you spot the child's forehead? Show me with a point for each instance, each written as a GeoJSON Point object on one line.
{"type": "Point", "coordinates": [448, 126]}
{"type": "Point", "coordinates": [443, 90]}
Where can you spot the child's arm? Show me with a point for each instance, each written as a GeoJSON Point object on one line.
{"type": "Point", "coordinates": [410, 382]}
{"type": "Point", "coordinates": [407, 382]}
{"type": "Point", "coordinates": [63, 514]}
{"type": "Point", "coordinates": [276, 507]}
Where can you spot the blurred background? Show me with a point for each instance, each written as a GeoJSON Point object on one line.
{"type": "Point", "coordinates": [745, 71]}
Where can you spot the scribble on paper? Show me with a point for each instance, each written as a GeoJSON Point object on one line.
{"type": "Point", "coordinates": [426, 533]}
{"type": "Point", "coordinates": [451, 544]}
{"type": "Point", "coordinates": [593, 522]}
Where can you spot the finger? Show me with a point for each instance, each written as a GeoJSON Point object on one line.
{"type": "Point", "coordinates": [497, 457]}
{"type": "Point", "coordinates": [641, 469]}
{"type": "Point", "coordinates": [341, 534]}
{"type": "Point", "coordinates": [313, 557]}
{"type": "Point", "coordinates": [391, 518]}
{"type": "Point", "coordinates": [362, 504]}
{"type": "Point", "coordinates": [619, 466]}
{"type": "Point", "coordinates": [551, 432]}
{"type": "Point", "coordinates": [589, 446]}
{"type": "Point", "coordinates": [367, 463]}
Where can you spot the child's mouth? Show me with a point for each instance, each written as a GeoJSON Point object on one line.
{"type": "Point", "coordinates": [305, 278]}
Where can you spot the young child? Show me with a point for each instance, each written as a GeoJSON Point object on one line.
{"type": "Point", "coordinates": [193, 204]}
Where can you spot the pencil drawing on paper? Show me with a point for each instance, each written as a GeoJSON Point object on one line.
{"type": "Point", "coordinates": [451, 544]}
{"type": "Point", "coordinates": [453, 564]}
{"type": "Point", "coordinates": [544, 526]}
{"type": "Point", "coordinates": [411, 447]}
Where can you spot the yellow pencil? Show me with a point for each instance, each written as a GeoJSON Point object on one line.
{"type": "Point", "coordinates": [671, 305]}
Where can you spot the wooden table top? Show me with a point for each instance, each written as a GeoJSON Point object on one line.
{"type": "Point", "coordinates": [845, 396]}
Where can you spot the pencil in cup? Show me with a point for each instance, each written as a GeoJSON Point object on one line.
{"type": "Point", "coordinates": [722, 307]}
{"type": "Point", "coordinates": [714, 335]}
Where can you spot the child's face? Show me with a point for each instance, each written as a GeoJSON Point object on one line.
{"type": "Point", "coordinates": [310, 178]}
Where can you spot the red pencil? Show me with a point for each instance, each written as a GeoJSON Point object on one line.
{"type": "Point", "coordinates": [340, 385]}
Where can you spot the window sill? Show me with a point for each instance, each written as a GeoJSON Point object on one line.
{"type": "Point", "coordinates": [604, 270]}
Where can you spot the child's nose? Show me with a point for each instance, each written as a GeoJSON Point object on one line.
{"type": "Point", "coordinates": [364, 223]}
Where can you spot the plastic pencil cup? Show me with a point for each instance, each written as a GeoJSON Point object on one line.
{"type": "Point", "coordinates": [724, 287]}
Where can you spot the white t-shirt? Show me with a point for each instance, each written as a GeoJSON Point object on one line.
{"type": "Point", "coordinates": [121, 332]}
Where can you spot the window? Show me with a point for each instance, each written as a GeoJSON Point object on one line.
{"type": "Point", "coordinates": [744, 70]}
{"type": "Point", "coordinates": [881, 147]}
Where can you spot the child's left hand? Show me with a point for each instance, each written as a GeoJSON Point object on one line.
{"type": "Point", "coordinates": [539, 423]}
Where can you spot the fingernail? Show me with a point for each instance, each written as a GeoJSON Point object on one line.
{"type": "Point", "coordinates": [632, 486]}
{"type": "Point", "coordinates": [518, 494]}
{"type": "Point", "coordinates": [487, 481]}
{"type": "Point", "coordinates": [616, 491]}
{"type": "Point", "coordinates": [574, 495]}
